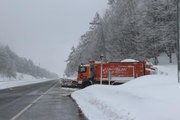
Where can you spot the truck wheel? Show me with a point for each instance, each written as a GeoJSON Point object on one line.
{"type": "Point", "coordinates": [86, 83]}
{"type": "Point", "coordinates": [79, 86]}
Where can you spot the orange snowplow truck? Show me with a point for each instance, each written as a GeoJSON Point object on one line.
{"type": "Point", "coordinates": [112, 72]}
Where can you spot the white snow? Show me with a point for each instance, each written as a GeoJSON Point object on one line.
{"type": "Point", "coordinates": [129, 60]}
{"type": "Point", "coordinates": [163, 59]}
{"type": "Point", "coordinates": [73, 77]}
{"type": "Point", "coordinates": [21, 79]}
{"type": "Point", "coordinates": [152, 97]}
{"type": "Point", "coordinates": [70, 89]}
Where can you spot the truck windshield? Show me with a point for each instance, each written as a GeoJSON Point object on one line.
{"type": "Point", "coordinates": [82, 69]}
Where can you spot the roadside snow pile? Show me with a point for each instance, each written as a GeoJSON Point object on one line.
{"type": "Point", "coordinates": [152, 97]}
{"type": "Point", "coordinates": [20, 80]}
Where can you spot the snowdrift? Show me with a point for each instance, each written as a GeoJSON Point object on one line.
{"type": "Point", "coordinates": [152, 97]}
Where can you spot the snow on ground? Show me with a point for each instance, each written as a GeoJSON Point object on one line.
{"type": "Point", "coordinates": [21, 79]}
{"type": "Point", "coordinates": [152, 97]}
{"type": "Point", "coordinates": [70, 89]}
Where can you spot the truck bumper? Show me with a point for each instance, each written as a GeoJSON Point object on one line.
{"type": "Point", "coordinates": [80, 82]}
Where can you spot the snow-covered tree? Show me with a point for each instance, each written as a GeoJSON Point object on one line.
{"type": "Point", "coordinates": [138, 29]}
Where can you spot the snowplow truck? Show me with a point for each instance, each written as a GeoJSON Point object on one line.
{"type": "Point", "coordinates": [112, 72]}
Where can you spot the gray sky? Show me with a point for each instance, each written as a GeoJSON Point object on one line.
{"type": "Point", "coordinates": [45, 30]}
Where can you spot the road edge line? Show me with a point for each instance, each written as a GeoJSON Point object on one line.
{"type": "Point", "coordinates": [28, 106]}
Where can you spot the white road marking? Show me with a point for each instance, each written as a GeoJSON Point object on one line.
{"type": "Point", "coordinates": [28, 106]}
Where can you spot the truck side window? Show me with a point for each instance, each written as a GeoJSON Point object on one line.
{"type": "Point", "coordinates": [82, 69]}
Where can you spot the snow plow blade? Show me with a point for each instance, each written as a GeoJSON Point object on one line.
{"type": "Point", "coordinates": [69, 83]}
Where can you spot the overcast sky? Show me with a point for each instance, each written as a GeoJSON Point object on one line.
{"type": "Point", "coordinates": [45, 30]}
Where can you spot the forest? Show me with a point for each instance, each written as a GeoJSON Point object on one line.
{"type": "Point", "coordinates": [11, 63]}
{"type": "Point", "coordinates": [137, 29]}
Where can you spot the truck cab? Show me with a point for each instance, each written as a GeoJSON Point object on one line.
{"type": "Point", "coordinates": [83, 73]}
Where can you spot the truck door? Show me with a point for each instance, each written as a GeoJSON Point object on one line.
{"type": "Point", "coordinates": [92, 71]}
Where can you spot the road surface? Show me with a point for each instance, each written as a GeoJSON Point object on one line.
{"type": "Point", "coordinates": [42, 101]}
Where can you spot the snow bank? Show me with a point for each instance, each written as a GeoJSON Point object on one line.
{"type": "Point", "coordinates": [20, 80]}
{"type": "Point", "coordinates": [152, 97]}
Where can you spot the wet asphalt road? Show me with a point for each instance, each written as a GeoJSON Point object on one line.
{"type": "Point", "coordinates": [42, 101]}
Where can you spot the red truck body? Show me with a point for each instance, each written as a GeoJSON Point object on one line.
{"type": "Point", "coordinates": [116, 72]}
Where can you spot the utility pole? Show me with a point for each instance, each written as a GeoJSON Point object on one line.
{"type": "Point", "coordinates": [103, 43]}
{"type": "Point", "coordinates": [178, 34]}
{"type": "Point", "coordinates": [103, 51]}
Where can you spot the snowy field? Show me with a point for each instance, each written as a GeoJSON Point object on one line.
{"type": "Point", "coordinates": [152, 97]}
{"type": "Point", "coordinates": [21, 79]}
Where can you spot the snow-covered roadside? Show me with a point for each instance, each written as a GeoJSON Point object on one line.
{"type": "Point", "coordinates": [21, 79]}
{"type": "Point", "coordinates": [153, 97]}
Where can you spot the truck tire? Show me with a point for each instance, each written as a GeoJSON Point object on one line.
{"type": "Point", "coordinates": [86, 83]}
